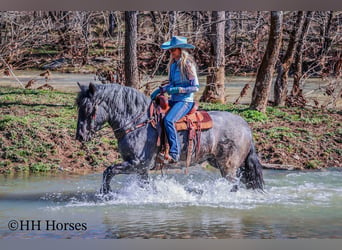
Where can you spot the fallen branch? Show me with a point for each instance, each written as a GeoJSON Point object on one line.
{"type": "Point", "coordinates": [280, 167]}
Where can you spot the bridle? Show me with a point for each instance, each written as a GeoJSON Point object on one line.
{"type": "Point", "coordinates": [123, 131]}
{"type": "Point", "coordinates": [93, 118]}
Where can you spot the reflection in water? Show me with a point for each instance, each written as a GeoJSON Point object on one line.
{"type": "Point", "coordinates": [295, 205]}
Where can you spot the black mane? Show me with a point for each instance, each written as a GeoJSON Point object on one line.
{"type": "Point", "coordinates": [117, 97]}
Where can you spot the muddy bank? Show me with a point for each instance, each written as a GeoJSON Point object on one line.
{"type": "Point", "coordinates": [37, 134]}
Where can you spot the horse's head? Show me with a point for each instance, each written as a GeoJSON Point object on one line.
{"type": "Point", "coordinates": [91, 115]}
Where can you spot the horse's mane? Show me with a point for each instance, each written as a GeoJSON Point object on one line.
{"type": "Point", "coordinates": [117, 97]}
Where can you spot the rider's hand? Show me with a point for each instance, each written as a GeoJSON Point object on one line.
{"type": "Point", "coordinates": [162, 89]}
{"type": "Point", "coordinates": [155, 93]}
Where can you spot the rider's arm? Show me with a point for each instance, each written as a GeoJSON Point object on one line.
{"type": "Point", "coordinates": [192, 88]}
{"type": "Point", "coordinates": [192, 76]}
{"type": "Point", "coordinates": [193, 84]}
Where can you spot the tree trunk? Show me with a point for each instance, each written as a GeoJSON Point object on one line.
{"type": "Point", "coordinates": [214, 90]}
{"type": "Point", "coordinates": [173, 23]}
{"type": "Point", "coordinates": [280, 85]}
{"type": "Point", "coordinates": [299, 55]}
{"type": "Point", "coordinates": [263, 81]}
{"type": "Point", "coordinates": [228, 27]}
{"type": "Point", "coordinates": [195, 20]}
{"type": "Point", "coordinates": [86, 34]}
{"type": "Point", "coordinates": [2, 29]}
{"type": "Point", "coordinates": [131, 62]}
{"type": "Point", "coordinates": [327, 38]}
{"type": "Point", "coordinates": [112, 23]}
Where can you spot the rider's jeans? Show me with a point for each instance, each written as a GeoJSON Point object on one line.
{"type": "Point", "coordinates": [177, 111]}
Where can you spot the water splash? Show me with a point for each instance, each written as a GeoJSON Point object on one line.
{"type": "Point", "coordinates": [208, 190]}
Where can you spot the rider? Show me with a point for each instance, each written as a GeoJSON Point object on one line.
{"type": "Point", "coordinates": [183, 82]}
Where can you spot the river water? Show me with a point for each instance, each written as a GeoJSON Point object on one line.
{"type": "Point", "coordinates": [234, 84]}
{"type": "Point", "coordinates": [295, 205]}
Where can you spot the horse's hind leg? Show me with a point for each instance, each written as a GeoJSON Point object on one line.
{"type": "Point", "coordinates": [228, 168]}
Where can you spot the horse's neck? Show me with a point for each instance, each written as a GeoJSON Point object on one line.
{"type": "Point", "coordinates": [122, 119]}
{"type": "Point", "coordinates": [127, 120]}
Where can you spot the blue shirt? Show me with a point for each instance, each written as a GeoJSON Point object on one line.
{"type": "Point", "coordinates": [189, 83]}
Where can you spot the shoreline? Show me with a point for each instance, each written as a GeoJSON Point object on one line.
{"type": "Point", "coordinates": [37, 130]}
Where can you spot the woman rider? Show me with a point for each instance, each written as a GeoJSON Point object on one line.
{"type": "Point", "coordinates": [183, 82]}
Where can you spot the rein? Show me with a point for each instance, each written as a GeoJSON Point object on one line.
{"type": "Point", "coordinates": [128, 130]}
{"type": "Point", "coordinates": [131, 129]}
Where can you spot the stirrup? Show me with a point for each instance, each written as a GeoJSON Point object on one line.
{"type": "Point", "coordinates": [167, 158]}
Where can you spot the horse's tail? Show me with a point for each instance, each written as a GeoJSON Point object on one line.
{"type": "Point", "coordinates": [251, 171]}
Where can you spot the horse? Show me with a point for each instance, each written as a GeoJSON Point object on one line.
{"type": "Point", "coordinates": [227, 146]}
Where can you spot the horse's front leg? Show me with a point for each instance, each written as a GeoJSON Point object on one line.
{"type": "Point", "coordinates": [143, 179]}
{"type": "Point", "coordinates": [111, 171]}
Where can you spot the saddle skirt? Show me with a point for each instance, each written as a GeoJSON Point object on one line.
{"type": "Point", "coordinates": [200, 120]}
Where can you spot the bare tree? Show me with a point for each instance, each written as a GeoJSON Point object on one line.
{"type": "Point", "coordinates": [173, 23]}
{"type": "Point", "coordinates": [214, 90]}
{"type": "Point", "coordinates": [299, 55]}
{"type": "Point", "coordinates": [131, 62]}
{"type": "Point", "coordinates": [327, 40]}
{"type": "Point", "coordinates": [228, 27]}
{"type": "Point", "coordinates": [112, 23]}
{"type": "Point", "coordinates": [263, 81]}
{"type": "Point", "coordinates": [280, 85]}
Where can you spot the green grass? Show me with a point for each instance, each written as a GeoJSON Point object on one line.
{"type": "Point", "coordinates": [41, 167]}
{"type": "Point", "coordinates": [36, 124]}
{"type": "Point", "coordinates": [313, 164]}
{"type": "Point", "coordinates": [242, 110]}
{"type": "Point", "coordinates": [280, 133]}
{"type": "Point", "coordinates": [28, 118]}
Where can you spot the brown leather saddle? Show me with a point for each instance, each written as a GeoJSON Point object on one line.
{"type": "Point", "coordinates": [195, 121]}
{"type": "Point", "coordinates": [198, 119]}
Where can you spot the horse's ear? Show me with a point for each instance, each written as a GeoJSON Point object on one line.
{"type": "Point", "coordinates": [82, 87]}
{"type": "Point", "coordinates": [92, 88]}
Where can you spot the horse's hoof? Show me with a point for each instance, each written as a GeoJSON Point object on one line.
{"type": "Point", "coordinates": [105, 190]}
{"type": "Point", "coordinates": [235, 188]}
{"type": "Point", "coordinates": [194, 190]}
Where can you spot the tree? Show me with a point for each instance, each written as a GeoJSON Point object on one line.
{"type": "Point", "coordinates": [214, 90]}
{"type": "Point", "coordinates": [299, 55]}
{"type": "Point", "coordinates": [131, 61]}
{"type": "Point", "coordinates": [112, 23]}
{"type": "Point", "coordinates": [327, 40]}
{"type": "Point", "coordinates": [173, 23]}
{"type": "Point", "coordinates": [263, 81]}
{"type": "Point", "coordinates": [280, 85]}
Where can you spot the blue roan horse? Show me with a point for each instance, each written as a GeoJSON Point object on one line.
{"type": "Point", "coordinates": [228, 146]}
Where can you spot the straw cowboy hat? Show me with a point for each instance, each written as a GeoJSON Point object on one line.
{"type": "Point", "coordinates": [177, 42]}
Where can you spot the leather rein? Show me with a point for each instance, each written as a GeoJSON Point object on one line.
{"type": "Point", "coordinates": [152, 120]}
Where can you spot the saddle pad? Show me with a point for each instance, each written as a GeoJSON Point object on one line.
{"type": "Point", "coordinates": [200, 119]}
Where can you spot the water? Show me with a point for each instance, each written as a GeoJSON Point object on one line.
{"type": "Point", "coordinates": [234, 84]}
{"type": "Point", "coordinates": [295, 205]}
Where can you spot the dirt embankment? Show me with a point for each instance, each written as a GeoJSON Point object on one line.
{"type": "Point", "coordinates": [37, 134]}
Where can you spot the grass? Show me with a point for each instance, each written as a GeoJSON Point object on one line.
{"type": "Point", "coordinates": [242, 110]}
{"type": "Point", "coordinates": [37, 131]}
{"type": "Point", "coordinates": [313, 164]}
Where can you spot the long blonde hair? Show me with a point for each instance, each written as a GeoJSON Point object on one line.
{"type": "Point", "coordinates": [187, 64]}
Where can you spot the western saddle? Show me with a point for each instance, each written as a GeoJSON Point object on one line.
{"type": "Point", "coordinates": [194, 122]}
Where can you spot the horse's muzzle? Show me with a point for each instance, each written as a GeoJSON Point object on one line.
{"type": "Point", "coordinates": [82, 137]}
